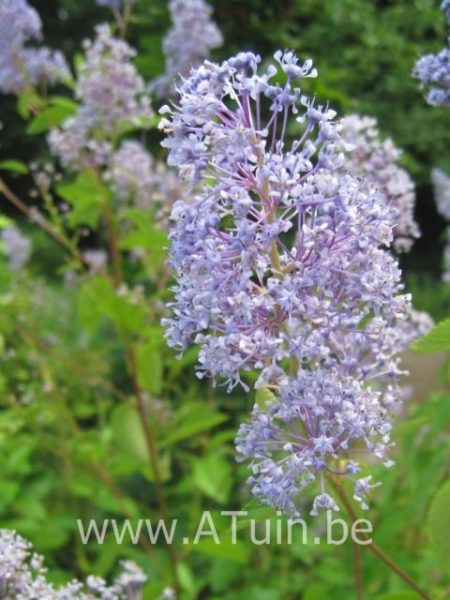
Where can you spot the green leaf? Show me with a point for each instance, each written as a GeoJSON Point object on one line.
{"type": "Point", "coordinates": [226, 549]}
{"type": "Point", "coordinates": [5, 222]}
{"type": "Point", "coordinates": [16, 166]}
{"type": "Point", "coordinates": [145, 234]}
{"type": "Point", "coordinates": [212, 474]}
{"type": "Point", "coordinates": [264, 396]}
{"type": "Point", "coordinates": [87, 195]}
{"type": "Point", "coordinates": [150, 368]}
{"type": "Point", "coordinates": [438, 522]}
{"type": "Point", "coordinates": [437, 340]}
{"type": "Point", "coordinates": [399, 596]}
{"type": "Point", "coordinates": [316, 591]}
{"type": "Point", "coordinates": [98, 297]}
{"type": "Point", "coordinates": [51, 117]}
{"type": "Point", "coordinates": [195, 423]}
{"type": "Point", "coordinates": [128, 434]}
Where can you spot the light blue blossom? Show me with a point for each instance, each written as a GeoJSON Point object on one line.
{"type": "Point", "coordinates": [283, 266]}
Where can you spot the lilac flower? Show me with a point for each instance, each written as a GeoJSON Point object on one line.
{"type": "Point", "coordinates": [18, 248]}
{"type": "Point", "coordinates": [95, 260]}
{"type": "Point", "coordinates": [282, 266]}
{"type": "Point", "coordinates": [112, 4]}
{"type": "Point", "coordinates": [445, 6]}
{"type": "Point", "coordinates": [23, 577]}
{"type": "Point", "coordinates": [112, 98]}
{"type": "Point", "coordinates": [433, 70]}
{"type": "Point", "coordinates": [376, 160]}
{"type": "Point", "coordinates": [136, 176]}
{"type": "Point", "coordinates": [21, 65]}
{"type": "Point", "coordinates": [131, 172]}
{"type": "Point", "coordinates": [192, 36]}
{"type": "Point", "coordinates": [441, 184]}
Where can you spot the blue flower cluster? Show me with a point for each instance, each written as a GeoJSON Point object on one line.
{"type": "Point", "coordinates": [22, 65]}
{"type": "Point", "coordinates": [433, 70]}
{"type": "Point", "coordinates": [283, 266]}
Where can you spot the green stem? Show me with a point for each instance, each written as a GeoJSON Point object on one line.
{"type": "Point", "coordinates": [39, 220]}
{"type": "Point", "coordinates": [357, 570]}
{"type": "Point", "coordinates": [374, 548]}
{"type": "Point", "coordinates": [147, 428]}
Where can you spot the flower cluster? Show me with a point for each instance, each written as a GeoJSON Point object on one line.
{"type": "Point", "coordinates": [22, 65]}
{"type": "Point", "coordinates": [112, 4]}
{"type": "Point", "coordinates": [189, 41]}
{"type": "Point", "coordinates": [137, 177]}
{"type": "Point", "coordinates": [445, 6]}
{"type": "Point", "coordinates": [433, 70]}
{"type": "Point", "coordinates": [23, 577]}
{"type": "Point", "coordinates": [441, 184]}
{"type": "Point", "coordinates": [376, 161]}
{"type": "Point", "coordinates": [17, 246]}
{"type": "Point", "coordinates": [283, 266]}
{"type": "Point", "coordinates": [112, 98]}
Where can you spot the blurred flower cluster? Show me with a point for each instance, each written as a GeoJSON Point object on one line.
{"type": "Point", "coordinates": [23, 65]}
{"type": "Point", "coordinates": [192, 36]}
{"type": "Point", "coordinates": [376, 161]}
{"type": "Point", "coordinates": [433, 70]}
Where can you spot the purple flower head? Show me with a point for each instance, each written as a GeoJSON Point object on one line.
{"type": "Point", "coordinates": [441, 184]}
{"type": "Point", "coordinates": [21, 65]}
{"type": "Point", "coordinates": [112, 97]}
{"type": "Point", "coordinates": [192, 36]}
{"type": "Point", "coordinates": [23, 575]}
{"type": "Point", "coordinates": [18, 248]}
{"type": "Point", "coordinates": [433, 70]}
{"type": "Point", "coordinates": [445, 6]}
{"type": "Point", "coordinates": [376, 160]}
{"type": "Point", "coordinates": [135, 176]}
{"type": "Point", "coordinates": [283, 266]}
{"type": "Point", "coordinates": [112, 4]}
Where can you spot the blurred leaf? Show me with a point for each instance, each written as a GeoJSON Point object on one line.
{"type": "Point", "coordinates": [86, 195]}
{"type": "Point", "coordinates": [264, 396]}
{"type": "Point", "coordinates": [438, 521]}
{"type": "Point", "coordinates": [193, 424]}
{"type": "Point", "coordinates": [150, 368]}
{"type": "Point", "coordinates": [128, 434]}
{"type": "Point", "coordinates": [399, 596]}
{"type": "Point", "coordinates": [316, 591]}
{"type": "Point", "coordinates": [235, 552]}
{"type": "Point", "coordinates": [51, 117]}
{"type": "Point", "coordinates": [16, 166]}
{"type": "Point", "coordinates": [437, 340]}
{"type": "Point", "coordinates": [212, 474]}
{"type": "Point", "coordinates": [99, 297]}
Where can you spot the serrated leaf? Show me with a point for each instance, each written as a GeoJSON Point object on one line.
{"type": "Point", "coordinates": [437, 340]}
{"type": "Point", "coordinates": [16, 166]}
{"type": "Point", "coordinates": [438, 521]}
